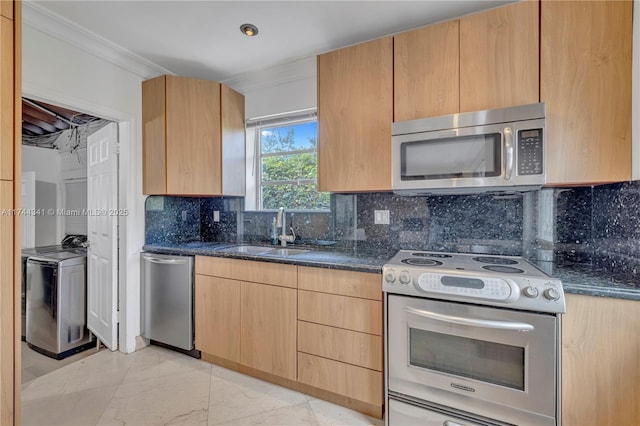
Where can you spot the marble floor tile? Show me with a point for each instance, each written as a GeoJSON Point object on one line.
{"type": "Point", "coordinates": [102, 369]}
{"type": "Point", "coordinates": [176, 399]}
{"type": "Point", "coordinates": [234, 395]}
{"type": "Point", "coordinates": [35, 364]}
{"type": "Point", "coordinates": [75, 408]}
{"type": "Point", "coordinates": [328, 414]}
{"type": "Point", "coordinates": [155, 386]}
{"type": "Point", "coordinates": [154, 361]}
{"type": "Point", "coordinates": [300, 414]}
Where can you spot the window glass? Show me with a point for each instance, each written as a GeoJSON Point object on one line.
{"type": "Point", "coordinates": [289, 167]}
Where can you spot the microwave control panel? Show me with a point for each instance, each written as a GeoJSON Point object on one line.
{"type": "Point", "coordinates": [530, 152]}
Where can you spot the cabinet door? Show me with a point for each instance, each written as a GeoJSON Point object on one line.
{"type": "Point", "coordinates": [426, 72]}
{"type": "Point", "coordinates": [193, 139]}
{"type": "Point", "coordinates": [7, 100]}
{"type": "Point", "coordinates": [586, 84]}
{"type": "Point", "coordinates": [154, 166]}
{"type": "Point", "coordinates": [600, 364]}
{"type": "Point", "coordinates": [217, 317]}
{"type": "Point", "coordinates": [268, 330]}
{"type": "Point", "coordinates": [355, 112]}
{"type": "Point", "coordinates": [499, 52]}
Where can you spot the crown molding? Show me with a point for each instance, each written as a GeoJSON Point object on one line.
{"type": "Point", "coordinates": [71, 33]}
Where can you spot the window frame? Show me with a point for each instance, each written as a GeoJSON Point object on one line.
{"type": "Point", "coordinates": [254, 127]}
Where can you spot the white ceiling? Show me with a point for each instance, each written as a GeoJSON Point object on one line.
{"type": "Point", "coordinates": [202, 39]}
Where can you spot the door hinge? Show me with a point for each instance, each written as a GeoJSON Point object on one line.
{"type": "Point", "coordinates": [118, 317]}
{"type": "Point", "coordinates": [116, 148]}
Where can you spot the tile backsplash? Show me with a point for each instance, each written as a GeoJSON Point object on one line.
{"type": "Point", "coordinates": [593, 225]}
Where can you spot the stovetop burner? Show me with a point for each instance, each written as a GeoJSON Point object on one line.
{"type": "Point", "coordinates": [495, 260]}
{"type": "Point", "coordinates": [503, 269]}
{"type": "Point", "coordinates": [421, 262]}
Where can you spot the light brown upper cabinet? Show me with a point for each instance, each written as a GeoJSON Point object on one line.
{"type": "Point", "coordinates": [586, 84]}
{"type": "Point", "coordinates": [426, 72]}
{"type": "Point", "coordinates": [482, 61]}
{"type": "Point", "coordinates": [355, 112]}
{"type": "Point", "coordinates": [499, 52]}
{"type": "Point", "coordinates": [193, 137]}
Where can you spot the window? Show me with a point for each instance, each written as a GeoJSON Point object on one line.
{"type": "Point", "coordinates": [286, 157]}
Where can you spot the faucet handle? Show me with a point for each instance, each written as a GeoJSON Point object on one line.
{"type": "Point", "coordinates": [293, 234]}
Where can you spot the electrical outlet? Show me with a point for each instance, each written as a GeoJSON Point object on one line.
{"type": "Point", "coordinates": [381, 217]}
{"type": "Point", "coordinates": [216, 216]}
{"type": "Point", "coordinates": [184, 215]}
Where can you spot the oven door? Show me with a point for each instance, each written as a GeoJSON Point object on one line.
{"type": "Point", "coordinates": [498, 363]}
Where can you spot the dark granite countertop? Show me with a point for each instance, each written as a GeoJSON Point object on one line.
{"type": "Point", "coordinates": [361, 259]}
{"type": "Point", "coordinates": [576, 278]}
{"type": "Point", "coordinates": [580, 278]}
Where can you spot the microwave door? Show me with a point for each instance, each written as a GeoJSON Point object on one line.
{"type": "Point", "coordinates": [469, 157]}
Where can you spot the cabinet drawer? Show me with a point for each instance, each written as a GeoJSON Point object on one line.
{"type": "Point", "coordinates": [346, 283]}
{"type": "Point", "coordinates": [340, 311]}
{"type": "Point", "coordinates": [340, 378]}
{"type": "Point", "coordinates": [247, 270]}
{"type": "Point", "coordinates": [347, 346]}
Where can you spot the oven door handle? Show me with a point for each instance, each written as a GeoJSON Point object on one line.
{"type": "Point", "coordinates": [472, 322]}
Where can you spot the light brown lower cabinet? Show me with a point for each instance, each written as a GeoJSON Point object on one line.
{"type": "Point", "coordinates": [217, 316]}
{"type": "Point", "coordinates": [268, 329]}
{"type": "Point", "coordinates": [349, 380]}
{"type": "Point", "coordinates": [325, 340]}
{"type": "Point", "coordinates": [600, 362]}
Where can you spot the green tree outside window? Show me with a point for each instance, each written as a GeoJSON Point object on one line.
{"type": "Point", "coordinates": [289, 166]}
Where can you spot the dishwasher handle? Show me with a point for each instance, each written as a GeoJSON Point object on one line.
{"type": "Point", "coordinates": [172, 261]}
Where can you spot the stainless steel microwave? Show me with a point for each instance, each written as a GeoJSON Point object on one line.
{"type": "Point", "coordinates": [493, 150]}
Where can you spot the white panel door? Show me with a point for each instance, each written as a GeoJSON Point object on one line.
{"type": "Point", "coordinates": [102, 225]}
{"type": "Point", "coordinates": [28, 220]}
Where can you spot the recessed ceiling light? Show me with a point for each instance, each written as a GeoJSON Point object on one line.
{"type": "Point", "coordinates": [249, 29]}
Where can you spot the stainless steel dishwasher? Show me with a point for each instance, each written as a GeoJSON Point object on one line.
{"type": "Point", "coordinates": [167, 300]}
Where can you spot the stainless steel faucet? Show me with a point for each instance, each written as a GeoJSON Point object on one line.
{"type": "Point", "coordinates": [281, 222]}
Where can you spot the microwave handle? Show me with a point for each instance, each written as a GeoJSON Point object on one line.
{"type": "Point", "coordinates": [472, 322]}
{"type": "Point", "coordinates": [509, 148]}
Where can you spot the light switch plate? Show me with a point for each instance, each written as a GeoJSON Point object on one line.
{"type": "Point", "coordinates": [381, 217]}
{"type": "Point", "coordinates": [184, 215]}
{"type": "Point", "coordinates": [216, 216]}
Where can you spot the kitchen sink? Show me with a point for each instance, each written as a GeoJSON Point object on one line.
{"type": "Point", "coordinates": [285, 252]}
{"type": "Point", "coordinates": [247, 249]}
{"type": "Point", "coordinates": [261, 250]}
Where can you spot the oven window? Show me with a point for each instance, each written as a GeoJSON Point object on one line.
{"type": "Point", "coordinates": [459, 157]}
{"type": "Point", "coordinates": [476, 359]}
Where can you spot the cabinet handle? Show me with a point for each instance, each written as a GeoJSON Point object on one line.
{"type": "Point", "coordinates": [508, 145]}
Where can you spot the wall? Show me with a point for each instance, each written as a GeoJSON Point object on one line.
{"type": "Point", "coordinates": [49, 195]}
{"type": "Point", "coordinates": [70, 68]}
{"type": "Point", "coordinates": [283, 88]}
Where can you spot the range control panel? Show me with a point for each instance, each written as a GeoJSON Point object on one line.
{"type": "Point", "coordinates": [530, 152]}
